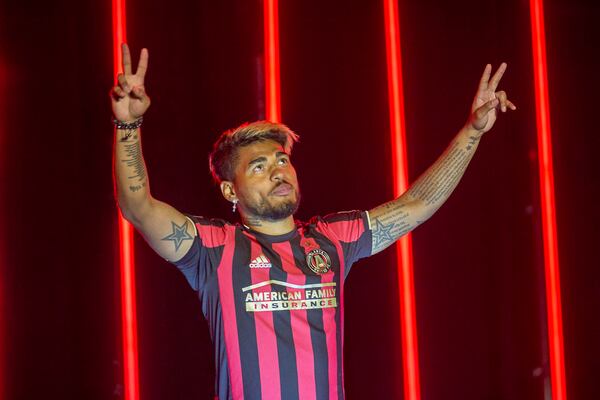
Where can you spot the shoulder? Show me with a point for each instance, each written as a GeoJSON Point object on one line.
{"type": "Point", "coordinates": [345, 216]}
{"type": "Point", "coordinates": [212, 232]}
{"type": "Point", "coordinates": [345, 225]}
{"type": "Point", "coordinates": [200, 220]}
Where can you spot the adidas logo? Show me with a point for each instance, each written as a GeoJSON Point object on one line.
{"type": "Point", "coordinates": [260, 262]}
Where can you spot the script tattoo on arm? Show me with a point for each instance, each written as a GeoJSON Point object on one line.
{"type": "Point", "coordinates": [438, 182]}
{"type": "Point", "coordinates": [398, 217]}
{"type": "Point", "coordinates": [135, 161]}
{"type": "Point", "coordinates": [179, 234]}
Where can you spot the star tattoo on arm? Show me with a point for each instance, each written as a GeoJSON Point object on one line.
{"type": "Point", "coordinates": [179, 234]}
{"type": "Point", "coordinates": [382, 235]}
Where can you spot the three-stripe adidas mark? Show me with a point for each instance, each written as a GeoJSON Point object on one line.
{"type": "Point", "coordinates": [260, 262]}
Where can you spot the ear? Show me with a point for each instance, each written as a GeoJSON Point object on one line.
{"type": "Point", "coordinates": [228, 191]}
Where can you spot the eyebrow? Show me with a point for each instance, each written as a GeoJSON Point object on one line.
{"type": "Point", "coordinates": [257, 160]}
{"type": "Point", "coordinates": [263, 158]}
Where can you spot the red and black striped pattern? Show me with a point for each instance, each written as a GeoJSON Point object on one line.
{"type": "Point", "coordinates": [276, 325]}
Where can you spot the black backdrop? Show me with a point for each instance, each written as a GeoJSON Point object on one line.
{"type": "Point", "coordinates": [478, 266]}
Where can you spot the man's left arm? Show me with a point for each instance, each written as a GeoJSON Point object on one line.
{"type": "Point", "coordinates": [426, 195]}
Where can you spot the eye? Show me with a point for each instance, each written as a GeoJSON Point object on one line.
{"type": "Point", "coordinates": [283, 161]}
{"type": "Point", "coordinates": [258, 168]}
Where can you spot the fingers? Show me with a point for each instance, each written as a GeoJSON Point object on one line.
{"type": "Point", "coordinates": [504, 102]}
{"type": "Point", "coordinates": [482, 111]}
{"type": "Point", "coordinates": [117, 93]}
{"type": "Point", "coordinates": [139, 93]}
{"type": "Point", "coordinates": [143, 64]}
{"type": "Point", "coordinates": [497, 76]}
{"type": "Point", "coordinates": [126, 59]}
{"type": "Point", "coordinates": [123, 88]}
{"type": "Point", "coordinates": [485, 78]}
{"type": "Point", "coordinates": [502, 98]}
{"type": "Point", "coordinates": [122, 82]}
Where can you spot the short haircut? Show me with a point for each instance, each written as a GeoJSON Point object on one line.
{"type": "Point", "coordinates": [224, 156]}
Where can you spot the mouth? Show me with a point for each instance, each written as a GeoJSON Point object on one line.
{"type": "Point", "coordinates": [283, 189]}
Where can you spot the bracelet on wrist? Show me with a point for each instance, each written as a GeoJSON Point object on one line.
{"type": "Point", "coordinates": [128, 126]}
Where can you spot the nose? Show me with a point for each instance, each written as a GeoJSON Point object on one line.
{"type": "Point", "coordinates": [277, 174]}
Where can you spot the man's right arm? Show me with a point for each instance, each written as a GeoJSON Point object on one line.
{"type": "Point", "coordinates": [169, 232]}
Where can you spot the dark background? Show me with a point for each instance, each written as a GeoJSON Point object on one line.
{"type": "Point", "coordinates": [478, 262]}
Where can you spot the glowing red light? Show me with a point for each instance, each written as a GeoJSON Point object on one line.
{"type": "Point", "coordinates": [408, 321]}
{"type": "Point", "coordinates": [3, 192]}
{"type": "Point", "coordinates": [126, 250]}
{"type": "Point", "coordinates": [271, 35]}
{"type": "Point", "coordinates": [552, 274]}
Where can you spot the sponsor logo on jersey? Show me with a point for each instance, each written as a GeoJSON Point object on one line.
{"type": "Point", "coordinates": [318, 261]}
{"type": "Point", "coordinates": [296, 297]}
{"type": "Point", "coordinates": [260, 262]}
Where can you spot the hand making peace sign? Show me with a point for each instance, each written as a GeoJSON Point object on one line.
{"type": "Point", "coordinates": [487, 101]}
{"type": "Point", "coordinates": [129, 99]}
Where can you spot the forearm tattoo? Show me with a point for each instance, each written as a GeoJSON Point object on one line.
{"type": "Point", "coordinates": [431, 190]}
{"type": "Point", "coordinates": [389, 226]}
{"type": "Point", "coordinates": [435, 186]}
{"type": "Point", "coordinates": [135, 188]}
{"type": "Point", "coordinates": [135, 161]}
{"type": "Point", "coordinates": [179, 234]}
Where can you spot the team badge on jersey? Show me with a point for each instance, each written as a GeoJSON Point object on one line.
{"type": "Point", "coordinates": [318, 261]}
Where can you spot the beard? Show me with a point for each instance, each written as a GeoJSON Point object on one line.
{"type": "Point", "coordinates": [269, 212]}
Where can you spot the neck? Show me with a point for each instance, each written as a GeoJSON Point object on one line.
{"type": "Point", "coordinates": [279, 227]}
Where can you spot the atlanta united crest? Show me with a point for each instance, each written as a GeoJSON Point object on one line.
{"type": "Point", "coordinates": [318, 261]}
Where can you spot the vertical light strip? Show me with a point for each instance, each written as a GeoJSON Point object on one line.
{"type": "Point", "coordinates": [408, 321]}
{"type": "Point", "coordinates": [271, 49]}
{"type": "Point", "coordinates": [3, 226]}
{"type": "Point", "coordinates": [552, 274]}
{"type": "Point", "coordinates": [127, 265]}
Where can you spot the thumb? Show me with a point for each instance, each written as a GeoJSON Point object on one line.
{"type": "Point", "coordinates": [479, 117]}
{"type": "Point", "coordinates": [482, 111]}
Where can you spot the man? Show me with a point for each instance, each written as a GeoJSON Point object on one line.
{"type": "Point", "coordinates": [271, 287]}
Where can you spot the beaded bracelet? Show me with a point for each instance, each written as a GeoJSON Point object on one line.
{"type": "Point", "coordinates": [128, 126]}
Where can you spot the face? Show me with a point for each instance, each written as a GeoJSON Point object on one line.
{"type": "Point", "coordinates": [265, 181]}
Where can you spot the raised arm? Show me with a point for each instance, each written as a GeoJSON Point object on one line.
{"type": "Point", "coordinates": [426, 195]}
{"type": "Point", "coordinates": [168, 231]}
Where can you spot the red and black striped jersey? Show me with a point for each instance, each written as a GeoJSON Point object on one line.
{"type": "Point", "coordinates": [274, 304]}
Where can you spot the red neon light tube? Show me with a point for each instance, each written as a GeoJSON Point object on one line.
{"type": "Point", "coordinates": [408, 319]}
{"type": "Point", "coordinates": [3, 211]}
{"type": "Point", "coordinates": [126, 250]}
{"type": "Point", "coordinates": [552, 273]}
{"type": "Point", "coordinates": [272, 83]}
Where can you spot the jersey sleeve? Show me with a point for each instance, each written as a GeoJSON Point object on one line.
{"type": "Point", "coordinates": [352, 229]}
{"type": "Point", "coordinates": [200, 263]}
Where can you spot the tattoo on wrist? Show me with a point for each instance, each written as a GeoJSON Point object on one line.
{"type": "Point", "coordinates": [179, 234]}
{"type": "Point", "coordinates": [472, 142]}
{"type": "Point", "coordinates": [137, 187]}
{"type": "Point", "coordinates": [129, 134]}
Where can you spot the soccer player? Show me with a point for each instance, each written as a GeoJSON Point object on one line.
{"type": "Point", "coordinates": [272, 287]}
